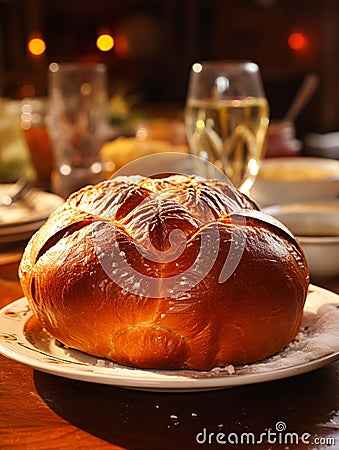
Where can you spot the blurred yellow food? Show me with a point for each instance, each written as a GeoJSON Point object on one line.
{"type": "Point", "coordinates": [117, 153]}
{"type": "Point", "coordinates": [172, 131]}
{"type": "Point", "coordinates": [296, 173]}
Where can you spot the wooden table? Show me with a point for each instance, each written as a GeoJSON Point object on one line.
{"type": "Point", "coordinates": [39, 411]}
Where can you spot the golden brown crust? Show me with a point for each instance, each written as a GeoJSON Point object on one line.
{"type": "Point", "coordinates": [108, 275]}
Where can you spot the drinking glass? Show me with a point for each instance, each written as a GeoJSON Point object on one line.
{"type": "Point", "coordinates": [78, 124]}
{"type": "Point", "coordinates": [226, 118]}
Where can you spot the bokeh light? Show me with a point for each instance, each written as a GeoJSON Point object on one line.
{"type": "Point", "coordinates": [27, 90]}
{"type": "Point", "coordinates": [122, 47]}
{"type": "Point", "coordinates": [36, 46]}
{"type": "Point", "coordinates": [105, 42]}
{"type": "Point", "coordinates": [297, 41]}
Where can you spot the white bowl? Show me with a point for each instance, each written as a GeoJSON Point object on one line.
{"type": "Point", "coordinates": [324, 145]}
{"type": "Point", "coordinates": [296, 179]}
{"type": "Point", "coordinates": [316, 227]}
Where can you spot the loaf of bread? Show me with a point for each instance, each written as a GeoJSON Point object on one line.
{"type": "Point", "coordinates": [168, 273]}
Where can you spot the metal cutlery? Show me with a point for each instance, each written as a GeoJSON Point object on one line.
{"type": "Point", "coordinates": [17, 192]}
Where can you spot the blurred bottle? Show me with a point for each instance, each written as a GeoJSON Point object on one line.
{"type": "Point", "coordinates": [15, 159]}
{"type": "Point", "coordinates": [34, 120]}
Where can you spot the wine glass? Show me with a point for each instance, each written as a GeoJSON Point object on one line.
{"type": "Point", "coordinates": [226, 118]}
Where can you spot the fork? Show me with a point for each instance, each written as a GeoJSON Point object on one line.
{"type": "Point", "coordinates": [17, 192]}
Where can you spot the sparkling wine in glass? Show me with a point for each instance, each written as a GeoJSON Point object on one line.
{"type": "Point", "coordinates": [226, 118]}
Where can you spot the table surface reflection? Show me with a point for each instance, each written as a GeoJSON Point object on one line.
{"type": "Point", "coordinates": [42, 411]}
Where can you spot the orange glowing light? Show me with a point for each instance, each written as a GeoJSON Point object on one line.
{"type": "Point", "coordinates": [297, 41]}
{"type": "Point", "coordinates": [122, 47]}
{"type": "Point", "coordinates": [36, 46]}
{"type": "Point", "coordinates": [27, 90]}
{"type": "Point", "coordinates": [105, 42]}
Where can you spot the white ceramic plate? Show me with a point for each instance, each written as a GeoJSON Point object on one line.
{"type": "Point", "coordinates": [20, 220]}
{"type": "Point", "coordinates": [20, 233]}
{"type": "Point", "coordinates": [23, 339]}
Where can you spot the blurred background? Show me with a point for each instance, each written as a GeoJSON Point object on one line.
{"type": "Point", "coordinates": [155, 42]}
